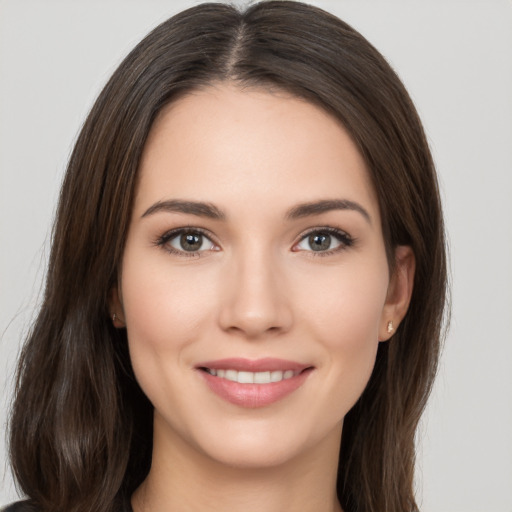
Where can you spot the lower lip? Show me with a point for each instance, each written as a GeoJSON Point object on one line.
{"type": "Point", "coordinates": [254, 395]}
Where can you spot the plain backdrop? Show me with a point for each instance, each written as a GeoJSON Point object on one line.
{"type": "Point", "coordinates": [455, 58]}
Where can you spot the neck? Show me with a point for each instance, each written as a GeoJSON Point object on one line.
{"type": "Point", "coordinates": [181, 478]}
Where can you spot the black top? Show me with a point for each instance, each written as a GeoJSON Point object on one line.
{"type": "Point", "coordinates": [20, 506]}
{"type": "Point", "coordinates": [26, 506]}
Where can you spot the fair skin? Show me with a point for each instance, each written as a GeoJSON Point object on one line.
{"type": "Point", "coordinates": [260, 276]}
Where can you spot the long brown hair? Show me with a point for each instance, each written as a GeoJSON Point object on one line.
{"type": "Point", "coordinates": [81, 428]}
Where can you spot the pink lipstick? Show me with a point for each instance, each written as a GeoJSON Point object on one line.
{"type": "Point", "coordinates": [253, 383]}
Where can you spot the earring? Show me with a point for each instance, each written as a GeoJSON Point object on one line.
{"type": "Point", "coordinates": [390, 327]}
{"type": "Point", "coordinates": [117, 321]}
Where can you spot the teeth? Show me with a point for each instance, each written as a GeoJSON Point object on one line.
{"type": "Point", "coordinates": [276, 376]}
{"type": "Point", "coordinates": [230, 374]}
{"type": "Point", "coordinates": [253, 377]}
{"type": "Point", "coordinates": [262, 378]}
{"type": "Point", "coordinates": [243, 377]}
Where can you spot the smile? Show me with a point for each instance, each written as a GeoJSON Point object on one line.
{"type": "Point", "coordinates": [244, 377]}
{"type": "Point", "coordinates": [253, 383]}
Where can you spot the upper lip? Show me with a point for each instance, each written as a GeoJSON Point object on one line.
{"type": "Point", "coordinates": [267, 364]}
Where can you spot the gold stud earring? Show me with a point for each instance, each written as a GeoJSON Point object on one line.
{"type": "Point", "coordinates": [117, 321]}
{"type": "Point", "coordinates": [390, 327]}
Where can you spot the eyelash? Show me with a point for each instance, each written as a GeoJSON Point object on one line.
{"type": "Point", "coordinates": [163, 241]}
{"type": "Point", "coordinates": [346, 241]}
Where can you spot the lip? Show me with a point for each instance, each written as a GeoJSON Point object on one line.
{"type": "Point", "coordinates": [254, 395]}
{"type": "Point", "coordinates": [267, 364]}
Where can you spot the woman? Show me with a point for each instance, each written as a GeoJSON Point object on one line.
{"type": "Point", "coordinates": [247, 279]}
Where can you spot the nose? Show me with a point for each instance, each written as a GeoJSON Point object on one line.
{"type": "Point", "coordinates": [254, 300]}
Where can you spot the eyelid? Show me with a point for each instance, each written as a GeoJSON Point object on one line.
{"type": "Point", "coordinates": [162, 241]}
{"type": "Point", "coordinates": [342, 236]}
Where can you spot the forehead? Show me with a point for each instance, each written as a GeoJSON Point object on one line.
{"type": "Point", "coordinates": [240, 146]}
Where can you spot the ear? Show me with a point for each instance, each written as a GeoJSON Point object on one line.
{"type": "Point", "coordinates": [115, 305]}
{"type": "Point", "coordinates": [399, 292]}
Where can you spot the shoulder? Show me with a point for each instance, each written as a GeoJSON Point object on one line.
{"type": "Point", "coordinates": [20, 506]}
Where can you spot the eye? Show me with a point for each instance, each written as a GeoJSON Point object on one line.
{"type": "Point", "coordinates": [186, 242]}
{"type": "Point", "coordinates": [324, 240]}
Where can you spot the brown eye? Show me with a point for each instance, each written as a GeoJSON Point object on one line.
{"type": "Point", "coordinates": [190, 241]}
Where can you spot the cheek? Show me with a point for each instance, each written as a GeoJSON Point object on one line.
{"type": "Point", "coordinates": [161, 300]}
{"type": "Point", "coordinates": [347, 302]}
{"type": "Point", "coordinates": [164, 313]}
{"type": "Point", "coordinates": [345, 320]}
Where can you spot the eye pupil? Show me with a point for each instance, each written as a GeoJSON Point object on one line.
{"type": "Point", "coordinates": [191, 241]}
{"type": "Point", "coordinates": [320, 241]}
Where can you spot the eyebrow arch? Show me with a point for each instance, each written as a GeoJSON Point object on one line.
{"type": "Point", "coordinates": [319, 207]}
{"type": "Point", "coordinates": [191, 207]}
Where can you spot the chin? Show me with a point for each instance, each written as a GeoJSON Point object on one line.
{"type": "Point", "coordinates": [266, 446]}
{"type": "Point", "coordinates": [255, 455]}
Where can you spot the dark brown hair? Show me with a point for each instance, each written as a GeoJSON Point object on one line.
{"type": "Point", "coordinates": [81, 428]}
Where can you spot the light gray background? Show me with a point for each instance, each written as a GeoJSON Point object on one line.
{"type": "Point", "coordinates": [455, 57]}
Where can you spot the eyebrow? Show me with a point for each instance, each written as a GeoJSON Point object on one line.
{"type": "Point", "coordinates": [209, 210]}
{"type": "Point", "coordinates": [191, 207]}
{"type": "Point", "coordinates": [319, 207]}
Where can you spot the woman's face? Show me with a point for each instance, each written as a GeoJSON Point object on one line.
{"type": "Point", "coordinates": [255, 253]}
